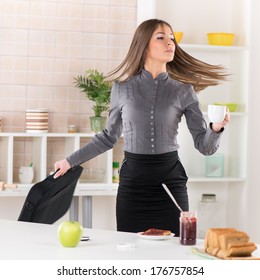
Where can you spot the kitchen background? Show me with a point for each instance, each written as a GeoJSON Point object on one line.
{"type": "Point", "coordinates": [44, 44]}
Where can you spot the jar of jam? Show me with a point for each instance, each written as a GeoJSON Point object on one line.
{"type": "Point", "coordinates": [188, 228]}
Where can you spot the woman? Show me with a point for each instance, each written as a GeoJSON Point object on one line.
{"type": "Point", "coordinates": [158, 86]}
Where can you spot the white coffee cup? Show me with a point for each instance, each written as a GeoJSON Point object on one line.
{"type": "Point", "coordinates": [216, 113]}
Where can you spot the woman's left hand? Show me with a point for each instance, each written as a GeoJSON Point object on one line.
{"type": "Point", "coordinates": [218, 126]}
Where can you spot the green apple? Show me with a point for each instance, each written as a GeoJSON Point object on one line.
{"type": "Point", "coordinates": [70, 233]}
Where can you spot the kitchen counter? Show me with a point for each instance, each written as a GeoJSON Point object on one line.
{"type": "Point", "coordinates": [22, 240]}
{"type": "Point", "coordinates": [33, 241]}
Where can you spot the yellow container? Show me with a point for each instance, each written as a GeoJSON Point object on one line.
{"type": "Point", "coordinates": [231, 106]}
{"type": "Point", "coordinates": [178, 36]}
{"type": "Point", "coordinates": [221, 39]}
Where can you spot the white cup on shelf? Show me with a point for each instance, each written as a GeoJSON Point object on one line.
{"type": "Point", "coordinates": [216, 113]}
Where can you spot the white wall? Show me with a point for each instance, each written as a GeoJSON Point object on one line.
{"type": "Point", "coordinates": [253, 190]}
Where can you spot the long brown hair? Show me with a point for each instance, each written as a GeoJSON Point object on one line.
{"type": "Point", "coordinates": [183, 67]}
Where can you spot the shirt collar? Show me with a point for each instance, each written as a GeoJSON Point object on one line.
{"type": "Point", "coordinates": [147, 75]}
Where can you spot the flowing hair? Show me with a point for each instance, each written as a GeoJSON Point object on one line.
{"type": "Point", "coordinates": [183, 67]}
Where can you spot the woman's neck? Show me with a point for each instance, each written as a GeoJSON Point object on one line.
{"type": "Point", "coordinates": [155, 70]}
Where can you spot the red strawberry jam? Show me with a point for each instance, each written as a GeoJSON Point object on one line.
{"type": "Point", "coordinates": [188, 228]}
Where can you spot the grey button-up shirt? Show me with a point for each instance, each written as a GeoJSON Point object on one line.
{"type": "Point", "coordinates": [148, 112]}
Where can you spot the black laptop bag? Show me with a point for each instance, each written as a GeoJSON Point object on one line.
{"type": "Point", "coordinates": [48, 200]}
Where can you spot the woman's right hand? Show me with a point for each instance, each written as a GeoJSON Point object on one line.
{"type": "Point", "coordinates": [63, 167]}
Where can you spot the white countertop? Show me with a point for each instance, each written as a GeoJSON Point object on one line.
{"type": "Point", "coordinates": [21, 240]}
{"type": "Point", "coordinates": [32, 241]}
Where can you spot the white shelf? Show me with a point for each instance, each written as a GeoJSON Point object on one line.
{"type": "Point", "coordinates": [233, 114]}
{"type": "Point", "coordinates": [98, 189]}
{"type": "Point", "coordinates": [46, 134]}
{"type": "Point", "coordinates": [212, 48]}
{"type": "Point", "coordinates": [216, 180]}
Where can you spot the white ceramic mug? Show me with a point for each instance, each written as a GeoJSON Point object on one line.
{"type": "Point", "coordinates": [216, 113]}
{"type": "Point", "coordinates": [26, 174]}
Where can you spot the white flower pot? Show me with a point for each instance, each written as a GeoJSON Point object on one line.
{"type": "Point", "coordinates": [26, 174]}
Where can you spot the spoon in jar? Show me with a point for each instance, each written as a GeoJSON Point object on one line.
{"type": "Point", "coordinates": [172, 197]}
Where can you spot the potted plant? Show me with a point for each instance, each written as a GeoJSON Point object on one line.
{"type": "Point", "coordinates": [98, 90]}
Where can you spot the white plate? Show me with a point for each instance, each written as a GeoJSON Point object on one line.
{"type": "Point", "coordinates": [155, 237]}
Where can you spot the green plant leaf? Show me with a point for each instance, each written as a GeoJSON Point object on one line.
{"type": "Point", "coordinates": [96, 89]}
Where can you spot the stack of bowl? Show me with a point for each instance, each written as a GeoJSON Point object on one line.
{"type": "Point", "coordinates": [37, 120]}
{"type": "Point", "coordinates": [232, 107]}
{"type": "Point", "coordinates": [221, 39]}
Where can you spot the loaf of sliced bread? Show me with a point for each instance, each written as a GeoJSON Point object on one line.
{"type": "Point", "coordinates": [228, 243]}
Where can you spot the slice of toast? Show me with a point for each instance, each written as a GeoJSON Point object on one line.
{"type": "Point", "coordinates": [154, 231]}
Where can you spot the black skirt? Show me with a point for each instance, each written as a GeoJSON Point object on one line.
{"type": "Point", "coordinates": [142, 202]}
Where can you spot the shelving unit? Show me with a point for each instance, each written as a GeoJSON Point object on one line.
{"type": "Point", "coordinates": [233, 142]}
{"type": "Point", "coordinates": [38, 148]}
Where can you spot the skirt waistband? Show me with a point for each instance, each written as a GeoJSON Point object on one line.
{"type": "Point", "coordinates": [155, 158]}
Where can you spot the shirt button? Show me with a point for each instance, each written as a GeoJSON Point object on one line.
{"type": "Point", "coordinates": [151, 117]}
{"type": "Point", "coordinates": [151, 111]}
{"type": "Point", "coordinates": [152, 146]}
